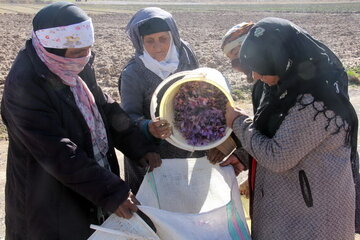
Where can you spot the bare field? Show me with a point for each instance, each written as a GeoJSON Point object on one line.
{"type": "Point", "coordinates": [203, 29]}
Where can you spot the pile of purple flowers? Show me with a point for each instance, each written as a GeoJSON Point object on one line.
{"type": "Point", "coordinates": [199, 113]}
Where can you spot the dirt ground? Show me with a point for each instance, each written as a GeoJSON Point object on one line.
{"type": "Point", "coordinates": [203, 30]}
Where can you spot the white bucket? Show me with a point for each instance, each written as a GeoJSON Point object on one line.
{"type": "Point", "coordinates": [170, 87]}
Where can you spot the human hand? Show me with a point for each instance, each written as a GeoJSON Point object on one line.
{"type": "Point", "coordinates": [160, 128]}
{"type": "Point", "coordinates": [232, 113]}
{"type": "Point", "coordinates": [245, 188]}
{"type": "Point", "coordinates": [126, 209]}
{"type": "Point", "coordinates": [235, 163]}
{"type": "Point", "coordinates": [151, 160]}
{"type": "Point", "coordinates": [215, 155]}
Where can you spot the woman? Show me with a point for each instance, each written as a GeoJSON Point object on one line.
{"type": "Point", "coordinates": [159, 52]}
{"type": "Point", "coordinates": [230, 45]}
{"type": "Point", "coordinates": [240, 159]}
{"type": "Point", "coordinates": [303, 136]}
{"type": "Point", "coordinates": [62, 171]}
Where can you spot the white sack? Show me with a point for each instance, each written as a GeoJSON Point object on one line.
{"type": "Point", "coordinates": [193, 199]}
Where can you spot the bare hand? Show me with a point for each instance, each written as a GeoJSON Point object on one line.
{"type": "Point", "coordinates": [215, 155]}
{"type": "Point", "coordinates": [245, 189]}
{"type": "Point", "coordinates": [160, 128]}
{"type": "Point", "coordinates": [235, 163]}
{"type": "Point", "coordinates": [232, 114]}
{"type": "Point", "coordinates": [151, 160]}
{"type": "Point", "coordinates": [126, 209]}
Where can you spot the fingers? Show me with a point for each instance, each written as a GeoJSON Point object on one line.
{"type": "Point", "coordinates": [240, 111]}
{"type": "Point", "coordinates": [154, 163]}
{"type": "Point", "coordinates": [143, 162]}
{"type": "Point", "coordinates": [164, 132]}
{"type": "Point", "coordinates": [126, 210]}
{"type": "Point", "coordinates": [151, 160]}
{"type": "Point", "coordinates": [236, 164]}
{"type": "Point", "coordinates": [128, 207]}
{"type": "Point", "coordinates": [244, 189]}
{"type": "Point", "coordinates": [124, 213]}
{"type": "Point", "coordinates": [232, 113]}
{"type": "Point", "coordinates": [164, 129]}
{"type": "Point", "coordinates": [160, 128]}
{"type": "Point", "coordinates": [228, 161]}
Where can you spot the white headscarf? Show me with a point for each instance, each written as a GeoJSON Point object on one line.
{"type": "Point", "coordinates": [76, 35]}
{"type": "Point", "coordinates": [167, 66]}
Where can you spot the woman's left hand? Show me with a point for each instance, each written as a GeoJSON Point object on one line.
{"type": "Point", "coordinates": [151, 160]}
{"type": "Point", "coordinates": [233, 113]}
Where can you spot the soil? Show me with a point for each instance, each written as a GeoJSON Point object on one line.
{"type": "Point", "coordinates": [203, 30]}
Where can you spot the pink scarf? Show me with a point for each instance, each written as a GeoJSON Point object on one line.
{"type": "Point", "coordinates": [68, 69]}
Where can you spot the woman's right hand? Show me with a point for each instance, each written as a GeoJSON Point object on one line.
{"type": "Point", "coordinates": [232, 113]}
{"type": "Point", "coordinates": [128, 207]}
{"type": "Point", "coordinates": [160, 128]}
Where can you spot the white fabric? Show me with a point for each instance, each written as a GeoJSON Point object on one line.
{"type": "Point", "coordinates": [231, 45]}
{"type": "Point", "coordinates": [77, 35]}
{"type": "Point", "coordinates": [166, 67]}
{"type": "Point", "coordinates": [186, 199]}
{"type": "Point", "coordinates": [193, 199]}
{"type": "Point", "coordinates": [116, 228]}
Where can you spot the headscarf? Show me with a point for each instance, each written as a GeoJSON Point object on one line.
{"type": "Point", "coordinates": [153, 20]}
{"type": "Point", "coordinates": [57, 15]}
{"type": "Point", "coordinates": [167, 66]}
{"type": "Point", "coordinates": [153, 25]}
{"type": "Point", "coordinates": [53, 27]}
{"type": "Point", "coordinates": [143, 15]}
{"type": "Point", "coordinates": [277, 46]}
{"type": "Point", "coordinates": [235, 36]}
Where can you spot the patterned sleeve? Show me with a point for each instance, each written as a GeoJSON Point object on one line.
{"type": "Point", "coordinates": [299, 133]}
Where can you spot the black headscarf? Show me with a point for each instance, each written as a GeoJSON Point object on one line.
{"type": "Point", "coordinates": [153, 25]}
{"type": "Point", "coordinates": [277, 46]}
{"type": "Point", "coordinates": [56, 15]}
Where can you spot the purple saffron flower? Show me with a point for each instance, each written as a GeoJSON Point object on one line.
{"type": "Point", "coordinates": [199, 113]}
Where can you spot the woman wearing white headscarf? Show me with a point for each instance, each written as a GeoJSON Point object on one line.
{"type": "Point", "coordinates": [159, 52]}
{"type": "Point", "coordinates": [62, 171]}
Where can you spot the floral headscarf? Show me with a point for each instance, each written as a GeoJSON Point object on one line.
{"type": "Point", "coordinates": [58, 37]}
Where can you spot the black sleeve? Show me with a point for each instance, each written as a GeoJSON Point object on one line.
{"type": "Point", "coordinates": [34, 121]}
{"type": "Point", "coordinates": [125, 134]}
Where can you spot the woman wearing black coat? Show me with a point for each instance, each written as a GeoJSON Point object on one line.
{"type": "Point", "coordinates": [62, 170]}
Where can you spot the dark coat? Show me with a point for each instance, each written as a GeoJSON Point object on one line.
{"type": "Point", "coordinates": [136, 87]}
{"type": "Point", "coordinates": [53, 183]}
